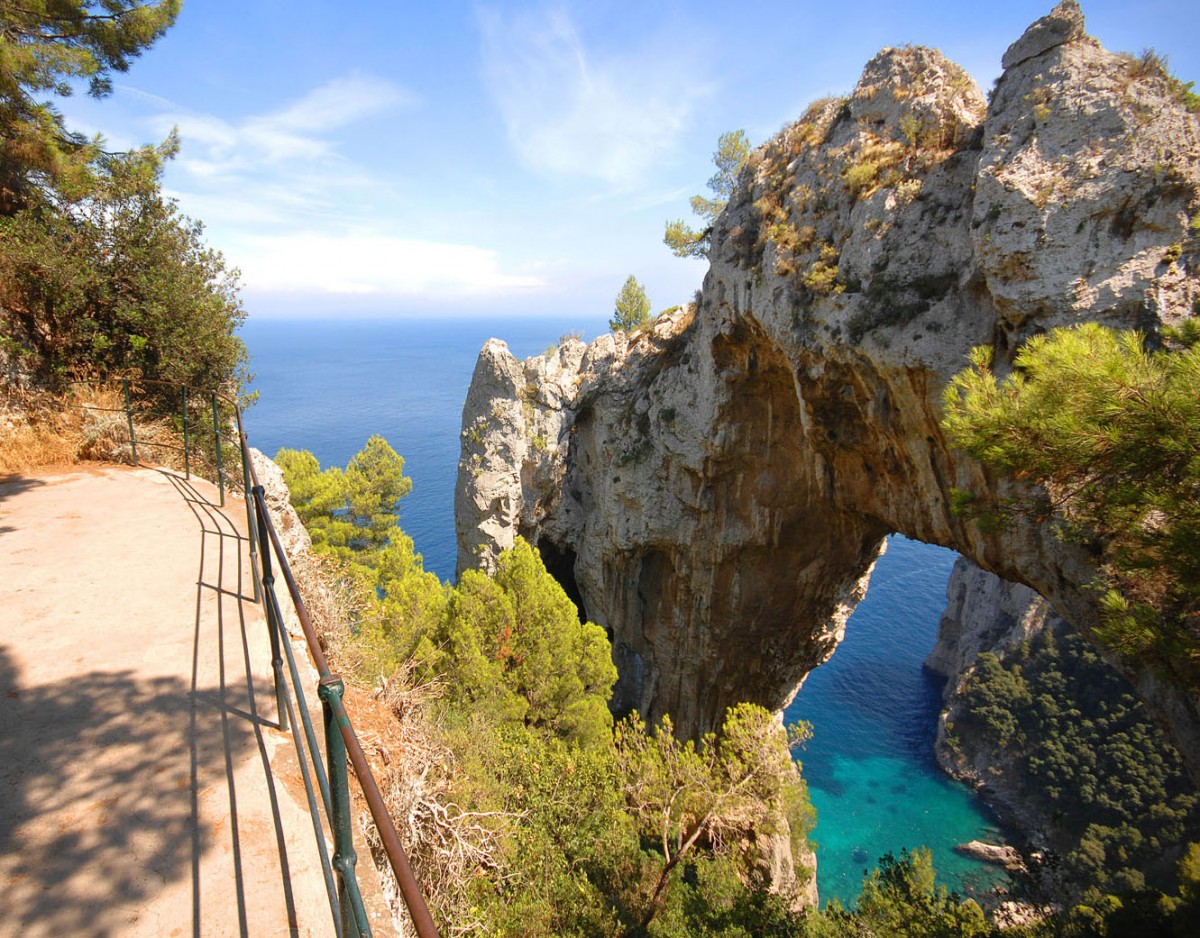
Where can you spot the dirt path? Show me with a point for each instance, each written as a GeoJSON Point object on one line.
{"type": "Point", "coordinates": [137, 793]}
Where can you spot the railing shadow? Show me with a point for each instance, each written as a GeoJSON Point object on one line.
{"type": "Point", "coordinates": [82, 857]}
{"type": "Point", "coordinates": [222, 638]}
{"type": "Point", "coordinates": [229, 740]}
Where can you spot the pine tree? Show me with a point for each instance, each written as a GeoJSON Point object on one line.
{"type": "Point", "coordinates": [1108, 433]}
{"type": "Point", "coordinates": [632, 308]}
{"type": "Point", "coordinates": [44, 47]}
{"type": "Point", "coordinates": [733, 148]}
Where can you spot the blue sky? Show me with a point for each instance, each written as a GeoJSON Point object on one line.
{"type": "Point", "coordinates": [373, 158]}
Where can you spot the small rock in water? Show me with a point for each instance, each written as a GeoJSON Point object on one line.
{"type": "Point", "coordinates": [860, 855]}
{"type": "Point", "coordinates": [1001, 855]}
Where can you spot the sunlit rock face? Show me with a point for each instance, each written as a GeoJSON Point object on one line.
{"type": "Point", "coordinates": [715, 488]}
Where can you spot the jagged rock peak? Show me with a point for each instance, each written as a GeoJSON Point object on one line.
{"type": "Point", "coordinates": [1061, 25]}
{"type": "Point", "coordinates": [907, 92]}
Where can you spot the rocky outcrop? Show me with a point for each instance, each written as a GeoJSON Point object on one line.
{"type": "Point", "coordinates": [985, 613]}
{"type": "Point", "coordinates": [998, 854]}
{"type": "Point", "coordinates": [292, 534]}
{"type": "Point", "coordinates": [716, 487]}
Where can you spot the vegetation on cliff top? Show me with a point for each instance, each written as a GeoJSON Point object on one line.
{"type": "Point", "coordinates": [631, 308]}
{"type": "Point", "coordinates": [733, 149]}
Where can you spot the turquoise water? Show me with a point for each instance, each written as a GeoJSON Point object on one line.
{"type": "Point", "coordinates": [327, 386]}
{"type": "Point", "coordinates": [869, 766]}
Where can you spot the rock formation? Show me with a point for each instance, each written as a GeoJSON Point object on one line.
{"type": "Point", "coordinates": [986, 613]}
{"type": "Point", "coordinates": [715, 488]}
{"type": "Point", "coordinates": [1053, 739]}
{"type": "Point", "coordinates": [983, 613]}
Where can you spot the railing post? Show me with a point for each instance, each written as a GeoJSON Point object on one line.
{"type": "Point", "coordinates": [187, 456]}
{"type": "Point", "coordinates": [354, 917]}
{"type": "Point", "coordinates": [129, 417]}
{"type": "Point", "coordinates": [251, 526]}
{"type": "Point", "coordinates": [217, 447]}
{"type": "Point", "coordinates": [274, 626]}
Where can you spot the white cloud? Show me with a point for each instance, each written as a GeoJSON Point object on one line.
{"type": "Point", "coordinates": [299, 137]}
{"type": "Point", "coordinates": [574, 111]}
{"type": "Point", "coordinates": [374, 264]}
{"type": "Point", "coordinates": [291, 203]}
{"type": "Point", "coordinates": [342, 101]}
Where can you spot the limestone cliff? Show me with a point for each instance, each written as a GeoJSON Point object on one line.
{"type": "Point", "coordinates": [1055, 740]}
{"type": "Point", "coordinates": [715, 487]}
{"type": "Point", "coordinates": [983, 613]}
{"type": "Point", "coordinates": [986, 613]}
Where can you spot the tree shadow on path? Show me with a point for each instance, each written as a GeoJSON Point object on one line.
{"type": "Point", "coordinates": [11, 485]}
{"type": "Point", "coordinates": [97, 789]}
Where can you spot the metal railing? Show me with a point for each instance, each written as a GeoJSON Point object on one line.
{"type": "Point", "coordinates": [198, 432]}
{"type": "Point", "coordinates": [341, 741]}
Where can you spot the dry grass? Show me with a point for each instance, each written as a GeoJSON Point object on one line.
{"type": "Point", "coordinates": [42, 432]}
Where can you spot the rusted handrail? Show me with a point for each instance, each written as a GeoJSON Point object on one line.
{"type": "Point", "coordinates": [341, 744]}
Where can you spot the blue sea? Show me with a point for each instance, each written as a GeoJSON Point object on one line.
{"type": "Point", "coordinates": [327, 386]}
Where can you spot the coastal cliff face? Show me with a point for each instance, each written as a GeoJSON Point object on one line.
{"type": "Point", "coordinates": [1055, 740]}
{"type": "Point", "coordinates": [986, 613]}
{"type": "Point", "coordinates": [714, 488]}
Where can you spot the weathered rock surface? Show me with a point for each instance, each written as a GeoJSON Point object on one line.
{"type": "Point", "coordinates": [983, 613]}
{"type": "Point", "coordinates": [999, 854]}
{"type": "Point", "coordinates": [715, 488]}
{"type": "Point", "coordinates": [292, 534]}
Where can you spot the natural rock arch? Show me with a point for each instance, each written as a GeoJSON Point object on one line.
{"type": "Point", "coordinates": [724, 479]}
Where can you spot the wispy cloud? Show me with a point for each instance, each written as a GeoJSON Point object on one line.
{"type": "Point", "coordinates": [575, 111]}
{"type": "Point", "coordinates": [299, 139]}
{"type": "Point", "coordinates": [293, 205]}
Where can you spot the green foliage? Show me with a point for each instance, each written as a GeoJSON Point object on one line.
{"type": "Point", "coordinates": [1108, 434]}
{"type": "Point", "coordinates": [578, 830]}
{"type": "Point", "coordinates": [821, 278]}
{"type": "Point", "coordinates": [900, 899]}
{"type": "Point", "coordinates": [1089, 756]}
{"type": "Point", "coordinates": [100, 275]}
{"type": "Point", "coordinates": [46, 46]}
{"type": "Point", "coordinates": [119, 282]}
{"type": "Point", "coordinates": [632, 308]}
{"type": "Point", "coordinates": [350, 513]}
{"type": "Point", "coordinates": [564, 841]}
{"type": "Point", "coordinates": [515, 642]}
{"type": "Point", "coordinates": [733, 149]}
{"type": "Point", "coordinates": [860, 177]}
{"type": "Point", "coordinates": [684, 793]}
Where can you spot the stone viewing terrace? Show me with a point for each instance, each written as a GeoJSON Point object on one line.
{"type": "Point", "coordinates": [145, 788]}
